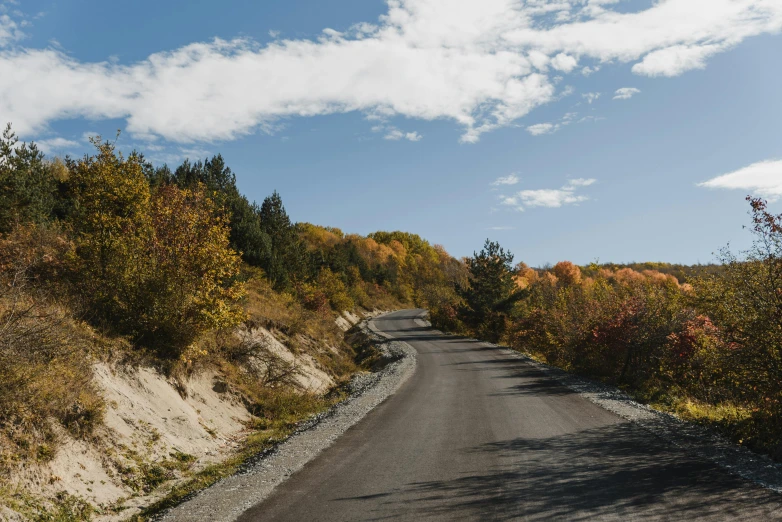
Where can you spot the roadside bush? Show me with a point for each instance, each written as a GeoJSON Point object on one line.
{"type": "Point", "coordinates": [613, 326]}
{"type": "Point", "coordinates": [191, 284]}
{"type": "Point", "coordinates": [112, 227]}
{"type": "Point", "coordinates": [745, 302]}
{"type": "Point", "coordinates": [156, 266]}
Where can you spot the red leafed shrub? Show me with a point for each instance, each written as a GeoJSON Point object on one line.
{"type": "Point", "coordinates": [313, 298]}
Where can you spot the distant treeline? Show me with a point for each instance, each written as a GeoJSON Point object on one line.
{"type": "Point", "coordinates": [682, 273]}
{"type": "Point", "coordinates": [157, 254]}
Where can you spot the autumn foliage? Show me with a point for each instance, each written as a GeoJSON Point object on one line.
{"type": "Point", "coordinates": [154, 264]}
{"type": "Point", "coordinates": [705, 342]}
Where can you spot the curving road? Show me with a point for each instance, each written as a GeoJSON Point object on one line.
{"type": "Point", "coordinates": [477, 435]}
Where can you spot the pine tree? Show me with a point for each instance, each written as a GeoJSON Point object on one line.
{"type": "Point", "coordinates": [27, 187]}
{"type": "Point", "coordinates": [489, 292]}
{"type": "Point", "coordinates": [247, 235]}
{"type": "Point", "coordinates": [285, 262]}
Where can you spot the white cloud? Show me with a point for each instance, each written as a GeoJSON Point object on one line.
{"type": "Point", "coordinates": [396, 134]}
{"type": "Point", "coordinates": [674, 60]}
{"type": "Point", "coordinates": [762, 179]}
{"type": "Point", "coordinates": [52, 145]}
{"type": "Point", "coordinates": [510, 179]}
{"type": "Point", "coordinates": [591, 97]}
{"type": "Point", "coordinates": [625, 93]}
{"type": "Point", "coordinates": [540, 129]}
{"type": "Point", "coordinates": [483, 65]}
{"type": "Point", "coordinates": [588, 71]}
{"type": "Point", "coordinates": [543, 128]}
{"type": "Point", "coordinates": [606, 35]}
{"type": "Point", "coordinates": [550, 198]}
{"type": "Point", "coordinates": [274, 34]}
{"type": "Point", "coordinates": [580, 182]}
{"type": "Point", "coordinates": [563, 62]}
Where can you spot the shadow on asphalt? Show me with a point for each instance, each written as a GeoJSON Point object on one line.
{"type": "Point", "coordinates": [612, 472]}
{"type": "Point", "coordinates": [617, 471]}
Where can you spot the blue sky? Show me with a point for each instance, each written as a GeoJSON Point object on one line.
{"type": "Point", "coordinates": [368, 115]}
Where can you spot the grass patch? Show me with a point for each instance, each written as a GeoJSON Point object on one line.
{"type": "Point", "coordinates": [64, 507]}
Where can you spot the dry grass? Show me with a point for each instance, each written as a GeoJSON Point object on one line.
{"type": "Point", "coordinates": [46, 378]}
{"type": "Point", "coordinates": [301, 330]}
{"type": "Point", "coordinates": [43, 377]}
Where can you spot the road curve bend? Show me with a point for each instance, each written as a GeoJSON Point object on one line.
{"type": "Point", "coordinates": [477, 435]}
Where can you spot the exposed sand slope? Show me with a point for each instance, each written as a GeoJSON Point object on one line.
{"type": "Point", "coordinates": [147, 421]}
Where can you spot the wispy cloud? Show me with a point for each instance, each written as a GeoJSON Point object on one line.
{"type": "Point", "coordinates": [674, 60]}
{"type": "Point", "coordinates": [510, 179]}
{"type": "Point", "coordinates": [589, 71]}
{"type": "Point", "coordinates": [580, 182]}
{"type": "Point", "coordinates": [10, 31]}
{"type": "Point", "coordinates": [543, 128]}
{"type": "Point", "coordinates": [591, 97]}
{"type": "Point", "coordinates": [625, 93]}
{"type": "Point", "coordinates": [396, 134]}
{"type": "Point", "coordinates": [761, 179]}
{"type": "Point", "coordinates": [550, 198]}
{"type": "Point", "coordinates": [54, 145]}
{"type": "Point", "coordinates": [483, 65]}
{"type": "Point", "coordinates": [540, 129]}
{"type": "Point", "coordinates": [174, 155]}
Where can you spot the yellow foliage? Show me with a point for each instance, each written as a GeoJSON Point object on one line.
{"type": "Point", "coordinates": [158, 267]}
{"type": "Point", "coordinates": [190, 285]}
{"type": "Point", "coordinates": [336, 291]}
{"type": "Point", "coordinates": [112, 225]}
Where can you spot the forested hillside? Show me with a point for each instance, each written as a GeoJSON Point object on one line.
{"type": "Point", "coordinates": [109, 265]}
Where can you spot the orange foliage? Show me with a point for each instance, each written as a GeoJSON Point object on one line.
{"type": "Point", "coordinates": [567, 272]}
{"type": "Point", "coordinates": [628, 275]}
{"type": "Point", "coordinates": [525, 276]}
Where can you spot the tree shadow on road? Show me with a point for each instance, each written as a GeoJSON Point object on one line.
{"type": "Point", "coordinates": [616, 472]}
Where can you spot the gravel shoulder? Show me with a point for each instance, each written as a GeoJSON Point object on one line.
{"type": "Point", "coordinates": [227, 499]}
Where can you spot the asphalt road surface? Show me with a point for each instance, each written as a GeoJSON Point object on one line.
{"type": "Point", "coordinates": [477, 435]}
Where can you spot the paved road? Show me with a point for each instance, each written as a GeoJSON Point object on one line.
{"type": "Point", "coordinates": [476, 435]}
